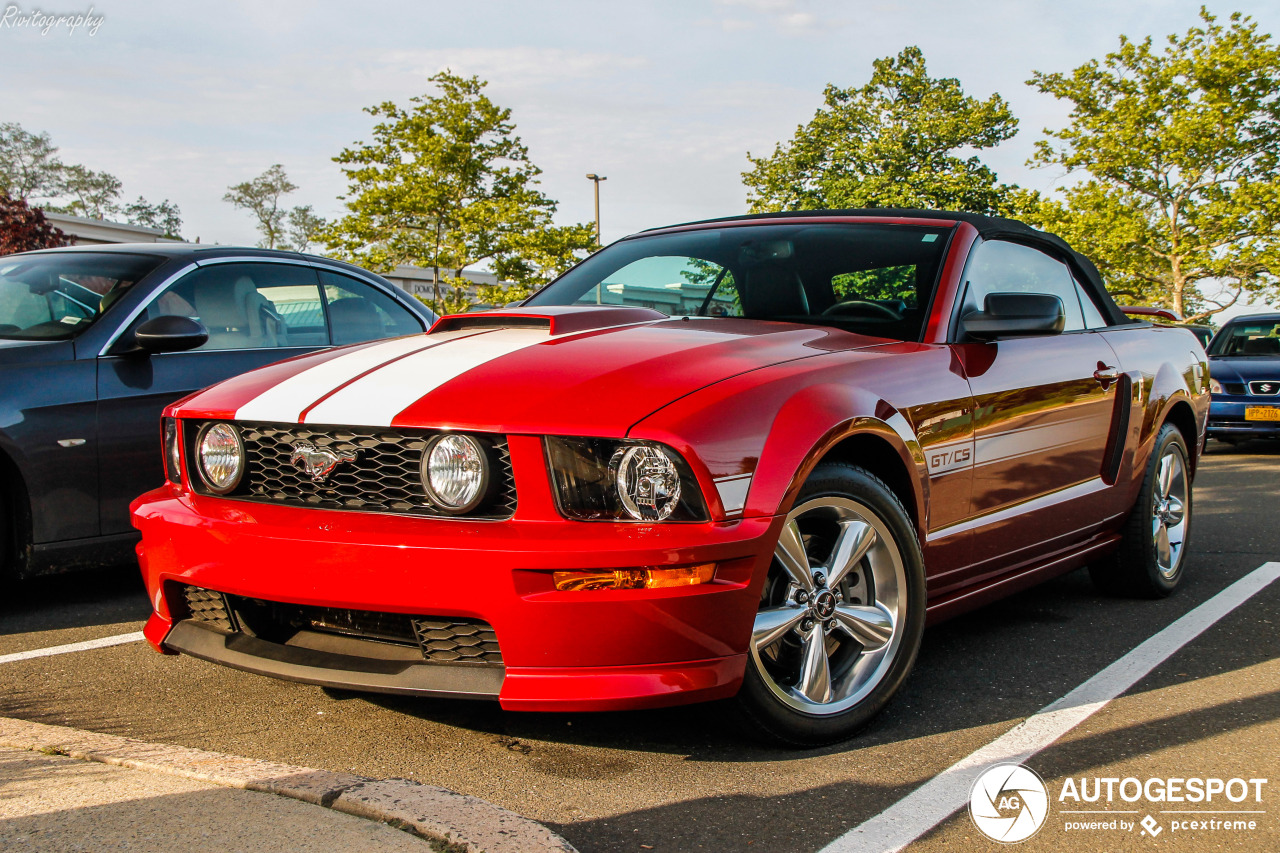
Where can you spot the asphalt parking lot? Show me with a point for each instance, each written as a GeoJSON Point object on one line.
{"type": "Point", "coordinates": [683, 779]}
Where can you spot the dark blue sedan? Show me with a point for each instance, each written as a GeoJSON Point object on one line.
{"type": "Point", "coordinates": [96, 341]}
{"type": "Point", "coordinates": [1244, 363]}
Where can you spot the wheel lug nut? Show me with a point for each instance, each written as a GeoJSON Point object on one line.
{"type": "Point", "coordinates": [802, 597]}
{"type": "Point", "coordinates": [806, 625]}
{"type": "Point", "coordinates": [820, 579]}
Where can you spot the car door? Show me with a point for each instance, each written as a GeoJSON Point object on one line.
{"type": "Point", "coordinates": [256, 313]}
{"type": "Point", "coordinates": [1044, 414]}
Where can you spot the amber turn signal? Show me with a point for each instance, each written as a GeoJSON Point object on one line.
{"type": "Point", "coordinates": [635, 578]}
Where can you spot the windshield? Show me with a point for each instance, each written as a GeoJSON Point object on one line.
{"type": "Point", "coordinates": [1247, 339]}
{"type": "Point", "coordinates": [872, 279]}
{"type": "Point", "coordinates": [58, 296]}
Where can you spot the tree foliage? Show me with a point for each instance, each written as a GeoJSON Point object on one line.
{"type": "Point", "coordinates": [446, 184]}
{"type": "Point", "coordinates": [1179, 154]}
{"type": "Point", "coordinates": [261, 197]}
{"type": "Point", "coordinates": [890, 143]}
{"type": "Point", "coordinates": [29, 164]}
{"type": "Point", "coordinates": [24, 228]}
{"type": "Point", "coordinates": [94, 195]}
{"type": "Point", "coordinates": [30, 168]}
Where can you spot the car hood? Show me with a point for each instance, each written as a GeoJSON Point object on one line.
{"type": "Point", "coordinates": [568, 373]}
{"type": "Point", "coordinates": [1244, 368]}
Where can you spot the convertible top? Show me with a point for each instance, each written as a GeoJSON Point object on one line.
{"type": "Point", "coordinates": [989, 228]}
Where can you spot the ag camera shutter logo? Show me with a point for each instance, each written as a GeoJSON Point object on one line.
{"type": "Point", "coordinates": [1009, 803]}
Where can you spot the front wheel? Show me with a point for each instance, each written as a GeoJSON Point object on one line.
{"type": "Point", "coordinates": [1153, 545]}
{"type": "Point", "coordinates": [841, 614]}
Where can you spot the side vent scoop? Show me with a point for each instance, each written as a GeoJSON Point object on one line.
{"type": "Point", "coordinates": [557, 320]}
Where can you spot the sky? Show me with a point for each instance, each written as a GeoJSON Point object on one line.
{"type": "Point", "coordinates": [180, 100]}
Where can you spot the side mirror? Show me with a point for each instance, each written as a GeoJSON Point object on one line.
{"type": "Point", "coordinates": [170, 333]}
{"type": "Point", "coordinates": [1015, 315]}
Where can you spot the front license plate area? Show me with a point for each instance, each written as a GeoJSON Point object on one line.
{"type": "Point", "coordinates": [1262, 413]}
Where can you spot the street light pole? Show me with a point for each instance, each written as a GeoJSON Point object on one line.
{"type": "Point", "coordinates": [596, 179]}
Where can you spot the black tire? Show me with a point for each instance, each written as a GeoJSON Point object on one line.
{"type": "Point", "coordinates": [876, 596]}
{"type": "Point", "coordinates": [1138, 568]}
{"type": "Point", "coordinates": [8, 554]}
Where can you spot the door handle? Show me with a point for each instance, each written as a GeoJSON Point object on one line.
{"type": "Point", "coordinates": [1106, 374]}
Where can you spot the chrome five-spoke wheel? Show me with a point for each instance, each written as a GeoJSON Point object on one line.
{"type": "Point", "coordinates": [1169, 511]}
{"type": "Point", "coordinates": [840, 611]}
{"type": "Point", "coordinates": [1150, 558]}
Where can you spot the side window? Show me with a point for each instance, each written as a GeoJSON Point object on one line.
{"type": "Point", "coordinates": [999, 267]}
{"type": "Point", "coordinates": [250, 305]}
{"type": "Point", "coordinates": [360, 312]}
{"type": "Point", "coordinates": [1093, 318]}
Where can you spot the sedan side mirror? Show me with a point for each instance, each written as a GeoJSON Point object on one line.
{"type": "Point", "coordinates": [1015, 314]}
{"type": "Point", "coordinates": [170, 333]}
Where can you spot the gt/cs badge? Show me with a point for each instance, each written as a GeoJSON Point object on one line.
{"type": "Point", "coordinates": [318, 462]}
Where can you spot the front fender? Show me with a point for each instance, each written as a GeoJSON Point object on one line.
{"type": "Point", "coordinates": [770, 427]}
{"type": "Point", "coordinates": [814, 422]}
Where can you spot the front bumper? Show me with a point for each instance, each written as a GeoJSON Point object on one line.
{"type": "Point", "coordinates": [561, 651]}
{"type": "Point", "coordinates": [1226, 417]}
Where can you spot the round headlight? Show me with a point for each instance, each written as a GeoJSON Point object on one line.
{"type": "Point", "coordinates": [221, 457]}
{"type": "Point", "coordinates": [455, 473]}
{"type": "Point", "coordinates": [648, 482]}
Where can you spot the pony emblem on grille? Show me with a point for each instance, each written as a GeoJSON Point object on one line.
{"type": "Point", "coordinates": [318, 462]}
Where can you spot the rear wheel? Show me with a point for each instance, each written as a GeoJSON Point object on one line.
{"type": "Point", "coordinates": [841, 613]}
{"type": "Point", "coordinates": [1153, 548]}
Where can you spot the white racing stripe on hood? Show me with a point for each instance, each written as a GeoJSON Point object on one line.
{"type": "Point", "coordinates": [377, 398]}
{"type": "Point", "coordinates": [286, 401]}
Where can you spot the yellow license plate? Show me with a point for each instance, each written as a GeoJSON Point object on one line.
{"type": "Point", "coordinates": [1262, 413]}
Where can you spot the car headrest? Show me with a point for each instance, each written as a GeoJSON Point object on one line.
{"type": "Point", "coordinates": [223, 303]}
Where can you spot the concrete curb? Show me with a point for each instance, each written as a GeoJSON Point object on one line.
{"type": "Point", "coordinates": [448, 821]}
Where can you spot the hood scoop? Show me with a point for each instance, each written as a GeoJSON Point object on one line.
{"type": "Point", "coordinates": [557, 320]}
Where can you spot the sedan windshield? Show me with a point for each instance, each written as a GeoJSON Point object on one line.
{"type": "Point", "coordinates": [867, 278]}
{"type": "Point", "coordinates": [59, 295]}
{"type": "Point", "coordinates": [1247, 339]}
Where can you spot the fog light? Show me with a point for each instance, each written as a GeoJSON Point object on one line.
{"type": "Point", "coordinates": [635, 578]}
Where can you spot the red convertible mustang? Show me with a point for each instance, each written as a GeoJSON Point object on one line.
{"type": "Point", "coordinates": [744, 458]}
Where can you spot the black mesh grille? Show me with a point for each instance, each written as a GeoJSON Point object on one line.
{"type": "Point", "coordinates": [1236, 388]}
{"type": "Point", "coordinates": [382, 477]}
{"type": "Point", "coordinates": [457, 641]}
{"type": "Point", "coordinates": [441, 639]}
{"type": "Point", "coordinates": [207, 606]}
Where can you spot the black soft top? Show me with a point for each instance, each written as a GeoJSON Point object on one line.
{"type": "Point", "coordinates": [989, 228]}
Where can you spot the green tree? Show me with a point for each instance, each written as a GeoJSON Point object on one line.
{"type": "Point", "coordinates": [446, 185]}
{"type": "Point", "coordinates": [95, 195]}
{"type": "Point", "coordinates": [261, 196]}
{"type": "Point", "coordinates": [29, 164]}
{"type": "Point", "coordinates": [1178, 151]}
{"type": "Point", "coordinates": [890, 143]}
{"type": "Point", "coordinates": [165, 217]}
{"type": "Point", "coordinates": [306, 228]}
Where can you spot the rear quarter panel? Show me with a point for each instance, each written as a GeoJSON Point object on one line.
{"type": "Point", "coordinates": [1169, 371]}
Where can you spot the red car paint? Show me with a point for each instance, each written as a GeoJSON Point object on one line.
{"type": "Point", "coordinates": [1015, 462]}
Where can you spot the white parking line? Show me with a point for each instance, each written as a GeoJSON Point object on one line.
{"type": "Point", "coordinates": [117, 640]}
{"type": "Point", "coordinates": [940, 797]}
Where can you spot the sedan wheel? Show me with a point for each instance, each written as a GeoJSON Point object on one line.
{"type": "Point", "coordinates": [841, 611]}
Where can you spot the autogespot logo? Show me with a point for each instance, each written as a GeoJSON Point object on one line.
{"type": "Point", "coordinates": [1009, 803]}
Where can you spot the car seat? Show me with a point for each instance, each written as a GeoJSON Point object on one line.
{"type": "Point", "coordinates": [353, 320]}
{"type": "Point", "coordinates": [236, 314]}
{"type": "Point", "coordinates": [773, 292]}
